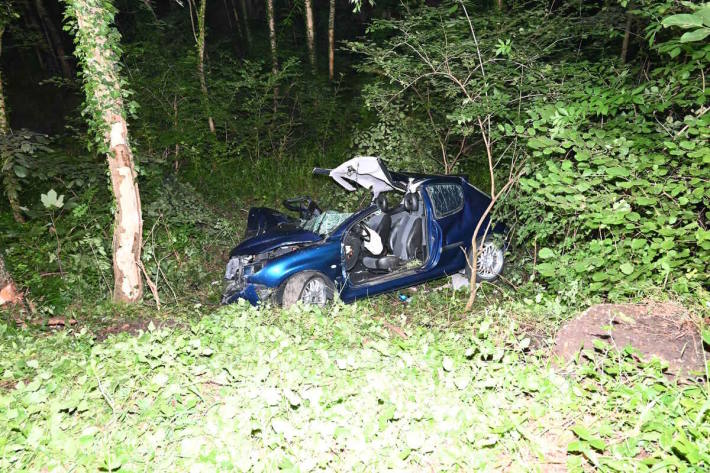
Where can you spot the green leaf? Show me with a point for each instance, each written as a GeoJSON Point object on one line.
{"type": "Point", "coordinates": [546, 253]}
{"type": "Point", "coordinates": [618, 171]}
{"type": "Point", "coordinates": [597, 444]}
{"type": "Point", "coordinates": [684, 20]}
{"type": "Point", "coordinates": [576, 447]}
{"type": "Point", "coordinates": [696, 35]}
{"type": "Point", "coordinates": [546, 269]}
{"type": "Point", "coordinates": [582, 432]}
{"type": "Point", "coordinates": [20, 171]}
{"type": "Point", "coordinates": [706, 336]}
{"type": "Point", "coordinates": [627, 268]}
{"type": "Point", "coordinates": [50, 200]}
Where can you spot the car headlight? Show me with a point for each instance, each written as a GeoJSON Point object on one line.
{"type": "Point", "coordinates": [232, 267]}
{"type": "Point", "coordinates": [235, 265]}
{"type": "Point", "coordinates": [253, 268]}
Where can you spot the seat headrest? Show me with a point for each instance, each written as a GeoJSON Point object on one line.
{"type": "Point", "coordinates": [381, 202]}
{"type": "Point", "coordinates": [411, 202]}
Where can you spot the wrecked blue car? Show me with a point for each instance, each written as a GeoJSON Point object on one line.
{"type": "Point", "coordinates": [425, 234]}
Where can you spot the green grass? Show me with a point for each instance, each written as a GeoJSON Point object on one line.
{"type": "Point", "coordinates": [242, 389]}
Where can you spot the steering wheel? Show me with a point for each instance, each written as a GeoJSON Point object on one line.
{"type": "Point", "coordinates": [304, 205]}
{"type": "Point", "coordinates": [363, 232]}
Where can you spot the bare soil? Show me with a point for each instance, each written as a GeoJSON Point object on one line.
{"type": "Point", "coordinates": [132, 327]}
{"type": "Point", "coordinates": [663, 330]}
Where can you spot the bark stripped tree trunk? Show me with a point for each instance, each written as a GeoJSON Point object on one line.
{"type": "Point", "coordinates": [9, 179]}
{"type": "Point", "coordinates": [128, 227]}
{"type": "Point", "coordinates": [103, 91]}
{"type": "Point", "coordinates": [272, 41]}
{"type": "Point", "coordinates": [331, 40]}
{"type": "Point", "coordinates": [201, 62]}
{"type": "Point", "coordinates": [55, 40]}
{"type": "Point", "coordinates": [310, 35]}
{"type": "Point", "coordinates": [8, 291]}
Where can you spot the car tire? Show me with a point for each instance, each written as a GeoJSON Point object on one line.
{"type": "Point", "coordinates": [309, 287]}
{"type": "Point", "coordinates": [492, 263]}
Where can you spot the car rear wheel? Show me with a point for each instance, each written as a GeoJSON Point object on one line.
{"type": "Point", "coordinates": [309, 287]}
{"type": "Point", "coordinates": [489, 261]}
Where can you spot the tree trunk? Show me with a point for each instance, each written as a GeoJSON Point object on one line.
{"type": "Point", "coordinates": [272, 40]}
{"type": "Point", "coordinates": [55, 40]}
{"type": "Point", "coordinates": [96, 53]}
{"type": "Point", "coordinates": [149, 7]}
{"type": "Point", "coordinates": [31, 24]}
{"type": "Point", "coordinates": [331, 40]}
{"type": "Point", "coordinates": [8, 291]}
{"type": "Point", "coordinates": [201, 61]}
{"type": "Point", "coordinates": [627, 37]}
{"type": "Point", "coordinates": [237, 20]}
{"type": "Point", "coordinates": [245, 17]}
{"type": "Point", "coordinates": [9, 179]}
{"type": "Point", "coordinates": [128, 228]}
{"type": "Point", "coordinates": [310, 35]}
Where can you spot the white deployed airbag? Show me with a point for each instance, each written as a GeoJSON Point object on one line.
{"type": "Point", "coordinates": [366, 171]}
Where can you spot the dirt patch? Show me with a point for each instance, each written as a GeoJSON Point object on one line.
{"type": "Point", "coordinates": [663, 330]}
{"type": "Point", "coordinates": [7, 385]}
{"type": "Point", "coordinates": [132, 327]}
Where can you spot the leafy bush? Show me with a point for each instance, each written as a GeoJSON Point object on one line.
{"type": "Point", "coordinates": [615, 182]}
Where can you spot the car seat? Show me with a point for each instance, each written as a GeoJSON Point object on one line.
{"type": "Point", "coordinates": [404, 234]}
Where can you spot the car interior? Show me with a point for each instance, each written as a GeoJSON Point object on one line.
{"type": "Point", "coordinates": [387, 242]}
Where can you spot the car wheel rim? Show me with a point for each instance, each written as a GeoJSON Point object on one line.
{"type": "Point", "coordinates": [314, 292]}
{"type": "Point", "coordinates": [489, 261]}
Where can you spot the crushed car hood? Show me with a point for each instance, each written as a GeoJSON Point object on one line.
{"type": "Point", "coordinates": [263, 219]}
{"type": "Point", "coordinates": [275, 237]}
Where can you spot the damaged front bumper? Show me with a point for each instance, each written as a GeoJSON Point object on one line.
{"type": "Point", "coordinates": [253, 293]}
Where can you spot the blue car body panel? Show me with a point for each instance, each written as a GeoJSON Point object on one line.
{"type": "Point", "coordinates": [447, 240]}
{"type": "Point", "coordinates": [323, 257]}
{"type": "Point", "coordinates": [275, 238]}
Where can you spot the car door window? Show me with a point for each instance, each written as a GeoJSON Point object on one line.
{"type": "Point", "coordinates": [447, 199]}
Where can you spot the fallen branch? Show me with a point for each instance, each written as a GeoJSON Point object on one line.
{"type": "Point", "coordinates": [394, 329]}
{"type": "Point", "coordinates": [151, 285]}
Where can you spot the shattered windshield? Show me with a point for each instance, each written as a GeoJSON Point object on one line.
{"type": "Point", "coordinates": [326, 222]}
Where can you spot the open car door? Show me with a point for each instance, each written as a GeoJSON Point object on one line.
{"type": "Point", "coordinates": [365, 171]}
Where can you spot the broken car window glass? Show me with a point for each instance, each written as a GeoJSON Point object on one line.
{"type": "Point", "coordinates": [326, 222]}
{"type": "Point", "coordinates": [447, 199]}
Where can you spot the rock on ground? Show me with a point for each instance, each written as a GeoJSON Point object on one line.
{"type": "Point", "coordinates": [664, 330]}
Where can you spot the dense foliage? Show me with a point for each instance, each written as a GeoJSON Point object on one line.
{"type": "Point", "coordinates": [260, 390]}
{"type": "Point", "coordinates": [613, 194]}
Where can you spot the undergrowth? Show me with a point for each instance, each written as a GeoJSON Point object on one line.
{"type": "Point", "coordinates": [309, 389]}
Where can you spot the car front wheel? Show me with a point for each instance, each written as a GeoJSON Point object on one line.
{"type": "Point", "coordinates": [311, 288]}
{"type": "Point", "coordinates": [489, 261]}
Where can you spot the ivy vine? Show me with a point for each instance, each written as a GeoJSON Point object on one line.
{"type": "Point", "coordinates": [98, 51]}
